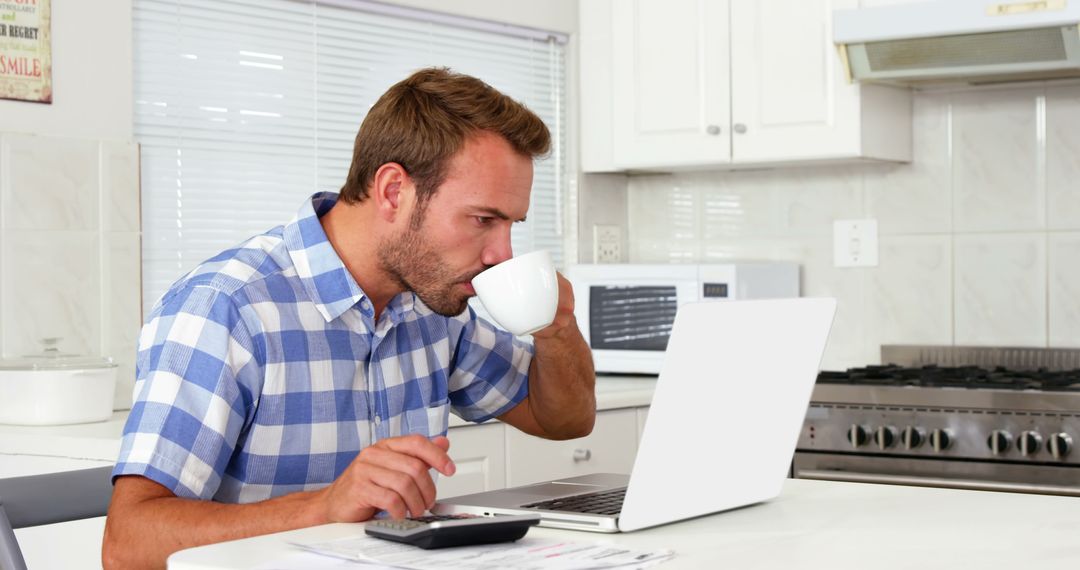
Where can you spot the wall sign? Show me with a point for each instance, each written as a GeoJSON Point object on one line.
{"type": "Point", "coordinates": [25, 50]}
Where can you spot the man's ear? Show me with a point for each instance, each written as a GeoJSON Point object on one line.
{"type": "Point", "coordinates": [392, 190]}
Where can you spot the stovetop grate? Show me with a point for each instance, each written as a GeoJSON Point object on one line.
{"type": "Point", "coordinates": [933, 376]}
{"type": "Point", "coordinates": [1012, 358]}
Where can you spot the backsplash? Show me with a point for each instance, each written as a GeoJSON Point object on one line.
{"type": "Point", "coordinates": [70, 249]}
{"type": "Point", "coordinates": [979, 237]}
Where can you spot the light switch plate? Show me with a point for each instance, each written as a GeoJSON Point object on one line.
{"type": "Point", "coordinates": [855, 243]}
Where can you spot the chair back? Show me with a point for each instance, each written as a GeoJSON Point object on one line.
{"type": "Point", "coordinates": [35, 500]}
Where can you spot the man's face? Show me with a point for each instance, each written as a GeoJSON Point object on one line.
{"type": "Point", "coordinates": [465, 226]}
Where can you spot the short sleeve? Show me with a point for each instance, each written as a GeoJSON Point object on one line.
{"type": "Point", "coordinates": [491, 370]}
{"type": "Point", "coordinates": [194, 387]}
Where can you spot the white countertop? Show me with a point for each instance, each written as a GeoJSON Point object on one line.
{"type": "Point", "coordinates": [812, 524]}
{"type": "Point", "coordinates": [101, 440]}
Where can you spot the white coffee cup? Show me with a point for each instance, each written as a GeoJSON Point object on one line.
{"type": "Point", "coordinates": [521, 293]}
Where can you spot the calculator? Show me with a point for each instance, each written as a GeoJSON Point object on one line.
{"type": "Point", "coordinates": [440, 531]}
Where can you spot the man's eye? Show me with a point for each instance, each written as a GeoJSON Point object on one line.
{"type": "Point", "coordinates": [483, 220]}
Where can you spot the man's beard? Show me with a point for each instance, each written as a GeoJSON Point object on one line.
{"type": "Point", "coordinates": [411, 261]}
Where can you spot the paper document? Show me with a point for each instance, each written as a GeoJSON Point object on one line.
{"type": "Point", "coordinates": [307, 560]}
{"type": "Point", "coordinates": [525, 554]}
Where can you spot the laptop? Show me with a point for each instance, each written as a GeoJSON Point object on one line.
{"type": "Point", "coordinates": [725, 417]}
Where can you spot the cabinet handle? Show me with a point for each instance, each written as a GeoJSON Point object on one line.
{"type": "Point", "coordinates": [582, 455]}
{"type": "Point", "coordinates": [740, 128]}
{"type": "Point", "coordinates": [712, 129]}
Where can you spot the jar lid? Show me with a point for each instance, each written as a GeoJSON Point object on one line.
{"type": "Point", "coordinates": [68, 362]}
{"type": "Point", "coordinates": [52, 359]}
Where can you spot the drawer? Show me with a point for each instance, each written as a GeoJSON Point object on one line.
{"type": "Point", "coordinates": [479, 453]}
{"type": "Point", "coordinates": [610, 448]}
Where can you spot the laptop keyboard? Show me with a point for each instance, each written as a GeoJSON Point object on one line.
{"type": "Point", "coordinates": [602, 503]}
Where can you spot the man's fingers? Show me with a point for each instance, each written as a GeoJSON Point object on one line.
{"type": "Point", "coordinates": [423, 449]}
{"type": "Point", "coordinates": [407, 464]}
{"type": "Point", "coordinates": [403, 492]}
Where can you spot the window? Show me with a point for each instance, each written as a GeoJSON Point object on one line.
{"type": "Point", "coordinates": [243, 108]}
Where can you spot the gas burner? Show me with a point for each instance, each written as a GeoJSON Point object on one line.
{"type": "Point", "coordinates": [933, 376]}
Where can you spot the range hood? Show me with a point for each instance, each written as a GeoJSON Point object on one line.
{"type": "Point", "coordinates": [960, 41]}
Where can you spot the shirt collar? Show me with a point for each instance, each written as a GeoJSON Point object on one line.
{"type": "Point", "coordinates": [323, 275]}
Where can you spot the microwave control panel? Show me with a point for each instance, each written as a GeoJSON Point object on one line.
{"type": "Point", "coordinates": [714, 291]}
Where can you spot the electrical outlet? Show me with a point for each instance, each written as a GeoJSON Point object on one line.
{"type": "Point", "coordinates": [607, 244]}
{"type": "Point", "coordinates": [855, 243]}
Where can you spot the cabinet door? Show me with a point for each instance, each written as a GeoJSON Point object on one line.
{"type": "Point", "coordinates": [670, 76]}
{"type": "Point", "coordinates": [610, 448]}
{"type": "Point", "coordinates": [480, 456]}
{"type": "Point", "coordinates": [790, 98]}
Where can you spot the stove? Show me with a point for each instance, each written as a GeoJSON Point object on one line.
{"type": "Point", "coordinates": [1005, 419]}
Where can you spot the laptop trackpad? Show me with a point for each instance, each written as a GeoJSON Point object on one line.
{"type": "Point", "coordinates": [552, 490]}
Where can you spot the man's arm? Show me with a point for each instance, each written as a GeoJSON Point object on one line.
{"type": "Point", "coordinates": [147, 522]}
{"type": "Point", "coordinates": [562, 382]}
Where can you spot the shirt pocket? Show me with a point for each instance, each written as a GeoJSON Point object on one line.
{"type": "Point", "coordinates": [430, 421]}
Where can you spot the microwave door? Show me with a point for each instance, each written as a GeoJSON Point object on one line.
{"type": "Point", "coordinates": [629, 326]}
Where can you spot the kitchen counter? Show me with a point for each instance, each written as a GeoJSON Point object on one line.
{"type": "Point", "coordinates": [100, 441]}
{"type": "Point", "coordinates": [812, 524]}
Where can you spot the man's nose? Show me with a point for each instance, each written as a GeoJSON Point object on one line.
{"type": "Point", "coordinates": [498, 249]}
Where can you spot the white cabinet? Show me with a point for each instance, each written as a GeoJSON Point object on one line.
{"type": "Point", "coordinates": [670, 73]}
{"type": "Point", "coordinates": [669, 84]}
{"type": "Point", "coordinates": [610, 448]}
{"type": "Point", "coordinates": [495, 456]}
{"type": "Point", "coordinates": [480, 457]}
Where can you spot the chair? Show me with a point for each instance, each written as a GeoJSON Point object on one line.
{"type": "Point", "coordinates": [46, 499]}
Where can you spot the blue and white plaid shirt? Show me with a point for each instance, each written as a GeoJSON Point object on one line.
{"type": "Point", "coordinates": [263, 371]}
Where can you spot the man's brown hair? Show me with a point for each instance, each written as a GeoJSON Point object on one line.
{"type": "Point", "coordinates": [424, 120]}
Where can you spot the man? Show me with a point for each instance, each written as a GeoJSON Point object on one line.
{"type": "Point", "coordinates": [306, 376]}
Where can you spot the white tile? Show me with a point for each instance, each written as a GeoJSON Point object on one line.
{"type": "Point", "coordinates": [122, 308]}
{"type": "Point", "coordinates": [1063, 289]}
{"type": "Point", "coordinates": [997, 183]}
{"type": "Point", "coordinates": [120, 186]}
{"type": "Point", "coordinates": [1063, 157]}
{"type": "Point", "coordinates": [51, 288]}
{"type": "Point", "coordinates": [810, 199]}
{"type": "Point", "coordinates": [663, 216]}
{"type": "Point", "coordinates": [916, 197]}
{"type": "Point", "coordinates": [909, 295]}
{"type": "Point", "coordinates": [1000, 289]}
{"type": "Point", "coordinates": [738, 204]}
{"type": "Point", "coordinates": [49, 183]}
{"type": "Point", "coordinates": [775, 249]}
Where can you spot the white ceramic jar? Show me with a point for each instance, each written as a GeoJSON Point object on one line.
{"type": "Point", "coordinates": [55, 389]}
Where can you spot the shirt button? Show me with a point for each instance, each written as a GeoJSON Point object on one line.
{"type": "Point", "coordinates": [365, 304]}
{"type": "Point", "coordinates": [378, 420]}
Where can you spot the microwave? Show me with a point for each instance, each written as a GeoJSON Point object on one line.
{"type": "Point", "coordinates": [625, 311]}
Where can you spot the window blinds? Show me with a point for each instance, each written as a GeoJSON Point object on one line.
{"type": "Point", "coordinates": [243, 108]}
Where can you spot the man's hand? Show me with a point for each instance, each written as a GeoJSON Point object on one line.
{"type": "Point", "coordinates": [564, 313]}
{"type": "Point", "coordinates": [391, 475]}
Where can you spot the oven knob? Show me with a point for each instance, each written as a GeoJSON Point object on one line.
{"type": "Point", "coordinates": [1059, 445]}
{"type": "Point", "coordinates": [940, 439]}
{"type": "Point", "coordinates": [999, 441]}
{"type": "Point", "coordinates": [912, 437]}
{"type": "Point", "coordinates": [1029, 443]}
{"type": "Point", "coordinates": [885, 437]}
{"type": "Point", "coordinates": [857, 435]}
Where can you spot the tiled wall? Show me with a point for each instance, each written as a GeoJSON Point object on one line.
{"type": "Point", "coordinates": [979, 235]}
{"type": "Point", "coordinates": [70, 249]}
